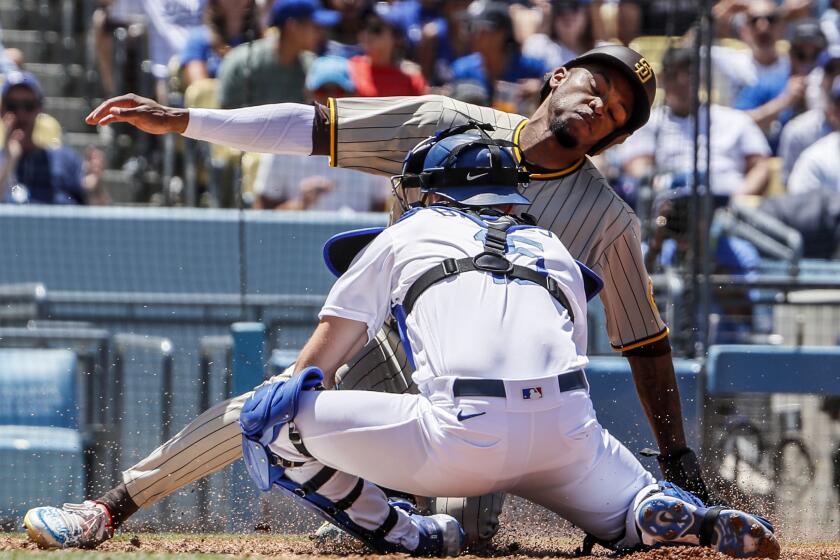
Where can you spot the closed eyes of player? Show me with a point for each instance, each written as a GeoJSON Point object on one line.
{"type": "Point", "coordinates": [601, 86]}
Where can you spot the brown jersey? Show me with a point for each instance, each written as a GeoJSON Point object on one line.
{"type": "Point", "coordinates": [598, 228]}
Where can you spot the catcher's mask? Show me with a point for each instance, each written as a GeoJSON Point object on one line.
{"type": "Point", "coordinates": [465, 166]}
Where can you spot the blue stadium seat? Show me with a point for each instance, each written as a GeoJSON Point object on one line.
{"type": "Point", "coordinates": [734, 369]}
{"type": "Point", "coordinates": [40, 442]}
{"type": "Point", "coordinates": [619, 411]}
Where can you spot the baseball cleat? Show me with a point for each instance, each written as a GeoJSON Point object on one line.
{"type": "Point", "coordinates": [71, 526]}
{"type": "Point", "coordinates": [670, 517]}
{"type": "Point", "coordinates": [329, 539]}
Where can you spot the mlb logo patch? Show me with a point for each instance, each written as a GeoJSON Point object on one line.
{"type": "Point", "coordinates": [530, 393]}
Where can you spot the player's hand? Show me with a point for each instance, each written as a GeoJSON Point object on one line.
{"type": "Point", "coordinates": [683, 469]}
{"type": "Point", "coordinates": [145, 114]}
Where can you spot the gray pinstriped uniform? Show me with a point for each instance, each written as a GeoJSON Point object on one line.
{"type": "Point", "coordinates": [374, 135]}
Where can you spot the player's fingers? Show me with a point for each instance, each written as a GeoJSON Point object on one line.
{"type": "Point", "coordinates": [106, 120]}
{"type": "Point", "coordinates": [123, 101]}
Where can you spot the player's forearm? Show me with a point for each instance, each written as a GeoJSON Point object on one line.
{"type": "Point", "coordinates": [334, 341]}
{"type": "Point", "coordinates": [656, 384]}
{"type": "Point", "coordinates": [282, 128]}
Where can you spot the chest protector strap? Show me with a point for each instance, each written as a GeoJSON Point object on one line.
{"type": "Point", "coordinates": [492, 260]}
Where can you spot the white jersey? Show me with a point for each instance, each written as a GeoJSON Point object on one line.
{"type": "Point", "coordinates": [474, 324]}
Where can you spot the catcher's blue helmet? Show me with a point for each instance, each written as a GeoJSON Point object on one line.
{"type": "Point", "coordinates": [467, 166]}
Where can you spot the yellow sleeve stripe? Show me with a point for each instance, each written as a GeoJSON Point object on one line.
{"type": "Point", "coordinates": [557, 174]}
{"type": "Point", "coordinates": [541, 176]}
{"type": "Point", "coordinates": [516, 152]}
{"type": "Point", "coordinates": [637, 344]}
{"type": "Point", "coordinates": [333, 132]}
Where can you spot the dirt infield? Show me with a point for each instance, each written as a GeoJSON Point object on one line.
{"type": "Point", "coordinates": [137, 546]}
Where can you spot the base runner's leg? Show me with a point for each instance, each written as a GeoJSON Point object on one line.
{"type": "Point", "coordinates": [205, 446]}
{"type": "Point", "coordinates": [381, 366]}
{"type": "Point", "coordinates": [478, 515]}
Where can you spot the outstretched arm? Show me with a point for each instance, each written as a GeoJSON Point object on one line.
{"type": "Point", "coordinates": [283, 128]}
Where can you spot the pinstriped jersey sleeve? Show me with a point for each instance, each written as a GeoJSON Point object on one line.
{"type": "Point", "coordinates": [632, 316]}
{"type": "Point", "coordinates": [374, 134]}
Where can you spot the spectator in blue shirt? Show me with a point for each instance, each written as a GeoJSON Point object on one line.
{"type": "Point", "coordinates": [498, 57]}
{"type": "Point", "coordinates": [227, 23]}
{"type": "Point", "coordinates": [778, 97]}
{"type": "Point", "coordinates": [29, 173]}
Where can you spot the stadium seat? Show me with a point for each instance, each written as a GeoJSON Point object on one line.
{"type": "Point", "coordinates": [40, 443]}
{"type": "Point", "coordinates": [775, 187]}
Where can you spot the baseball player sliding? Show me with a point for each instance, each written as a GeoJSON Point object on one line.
{"type": "Point", "coordinates": [492, 310]}
{"type": "Point", "coordinates": [594, 101]}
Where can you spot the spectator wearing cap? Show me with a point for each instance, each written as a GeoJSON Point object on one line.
{"type": "Point", "coordinates": [771, 103]}
{"type": "Point", "coordinates": [664, 146]}
{"type": "Point", "coordinates": [382, 70]}
{"type": "Point", "coordinates": [570, 33]}
{"type": "Point", "coordinates": [29, 173]}
{"type": "Point", "coordinates": [293, 182]}
{"type": "Point", "coordinates": [329, 76]}
{"type": "Point", "coordinates": [805, 129]}
{"type": "Point", "coordinates": [227, 23]}
{"type": "Point", "coordinates": [498, 57]}
{"type": "Point", "coordinates": [273, 69]}
{"type": "Point", "coordinates": [819, 165]}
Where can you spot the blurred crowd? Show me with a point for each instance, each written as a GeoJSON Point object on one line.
{"type": "Point", "coordinates": [774, 111]}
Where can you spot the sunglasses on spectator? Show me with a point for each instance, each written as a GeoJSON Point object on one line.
{"type": "Point", "coordinates": [770, 18]}
{"type": "Point", "coordinates": [14, 106]}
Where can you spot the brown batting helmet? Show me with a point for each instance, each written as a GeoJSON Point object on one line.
{"type": "Point", "coordinates": [638, 72]}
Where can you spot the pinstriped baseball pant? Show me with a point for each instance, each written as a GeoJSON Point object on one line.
{"type": "Point", "coordinates": [213, 440]}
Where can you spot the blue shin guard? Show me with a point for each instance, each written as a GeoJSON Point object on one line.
{"type": "Point", "coordinates": [263, 416]}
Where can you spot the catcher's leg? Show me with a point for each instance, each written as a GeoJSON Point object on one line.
{"type": "Point", "coordinates": [383, 366]}
{"type": "Point", "coordinates": [665, 514]}
{"type": "Point", "coordinates": [286, 420]}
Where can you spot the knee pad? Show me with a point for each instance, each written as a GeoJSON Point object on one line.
{"type": "Point", "coordinates": [263, 415]}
